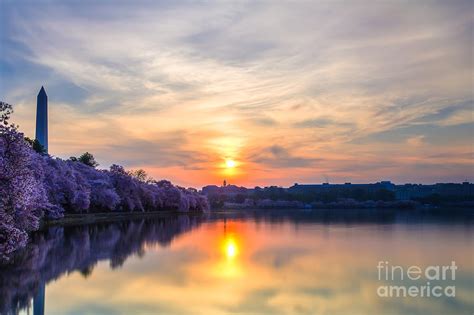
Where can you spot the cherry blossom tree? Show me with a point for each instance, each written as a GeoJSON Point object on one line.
{"type": "Point", "coordinates": [22, 196]}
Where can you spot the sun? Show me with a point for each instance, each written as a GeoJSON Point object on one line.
{"type": "Point", "coordinates": [230, 163]}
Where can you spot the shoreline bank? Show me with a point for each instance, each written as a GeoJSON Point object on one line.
{"type": "Point", "coordinates": [106, 217]}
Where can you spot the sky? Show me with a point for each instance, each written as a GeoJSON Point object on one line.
{"type": "Point", "coordinates": [282, 92]}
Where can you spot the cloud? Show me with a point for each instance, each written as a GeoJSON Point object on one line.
{"type": "Point", "coordinates": [458, 118]}
{"type": "Point", "coordinates": [455, 114]}
{"type": "Point", "coordinates": [165, 151]}
{"type": "Point", "coordinates": [314, 123]}
{"type": "Point", "coordinates": [416, 141]}
{"type": "Point", "coordinates": [279, 157]}
{"type": "Point", "coordinates": [324, 123]}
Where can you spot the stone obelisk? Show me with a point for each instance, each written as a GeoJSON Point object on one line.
{"type": "Point", "coordinates": [42, 119]}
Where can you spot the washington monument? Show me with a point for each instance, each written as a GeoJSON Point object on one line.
{"type": "Point", "coordinates": [42, 119]}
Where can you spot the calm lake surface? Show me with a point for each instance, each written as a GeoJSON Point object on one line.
{"type": "Point", "coordinates": [262, 262]}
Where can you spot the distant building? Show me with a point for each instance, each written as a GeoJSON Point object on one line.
{"type": "Point", "coordinates": [324, 187]}
{"type": "Point", "coordinates": [413, 191]}
{"type": "Point", "coordinates": [42, 119]}
{"type": "Point", "coordinates": [229, 190]}
{"type": "Point", "coordinates": [447, 193]}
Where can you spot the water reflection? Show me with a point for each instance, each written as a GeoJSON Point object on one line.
{"type": "Point", "coordinates": [274, 262]}
{"type": "Point", "coordinates": [60, 251]}
{"type": "Point", "coordinates": [38, 301]}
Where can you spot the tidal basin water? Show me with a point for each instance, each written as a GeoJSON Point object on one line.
{"type": "Point", "coordinates": [253, 262]}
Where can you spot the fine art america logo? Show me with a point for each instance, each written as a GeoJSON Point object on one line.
{"type": "Point", "coordinates": [405, 282]}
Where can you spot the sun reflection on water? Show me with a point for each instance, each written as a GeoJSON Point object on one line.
{"type": "Point", "coordinates": [230, 248]}
{"type": "Point", "coordinates": [229, 264]}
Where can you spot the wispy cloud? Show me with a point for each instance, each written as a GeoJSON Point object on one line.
{"type": "Point", "coordinates": [277, 156]}
{"type": "Point", "coordinates": [416, 141]}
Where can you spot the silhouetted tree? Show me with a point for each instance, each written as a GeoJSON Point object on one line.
{"type": "Point", "coordinates": [36, 145]}
{"type": "Point", "coordinates": [88, 159]}
{"type": "Point", "coordinates": [139, 174]}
